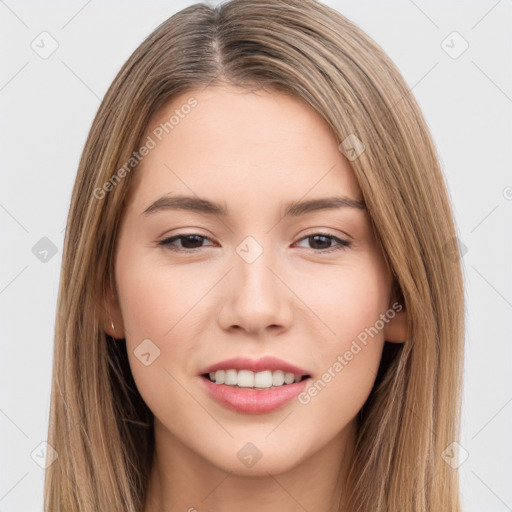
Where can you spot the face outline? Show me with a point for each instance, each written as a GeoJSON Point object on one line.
{"type": "Point", "coordinates": [295, 301]}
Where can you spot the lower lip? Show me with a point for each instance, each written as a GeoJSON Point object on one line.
{"type": "Point", "coordinates": [253, 401]}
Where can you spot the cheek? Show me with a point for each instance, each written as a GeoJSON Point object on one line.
{"type": "Point", "coordinates": [346, 298]}
{"type": "Point", "coordinates": [157, 299]}
{"type": "Point", "coordinates": [349, 301]}
{"type": "Point", "coordinates": [334, 397]}
{"type": "Point", "coordinates": [159, 304]}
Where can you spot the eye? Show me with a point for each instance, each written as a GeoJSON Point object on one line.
{"type": "Point", "coordinates": [189, 242]}
{"type": "Point", "coordinates": [321, 242]}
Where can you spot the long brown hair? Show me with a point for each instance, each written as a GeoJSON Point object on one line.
{"type": "Point", "coordinates": [99, 424]}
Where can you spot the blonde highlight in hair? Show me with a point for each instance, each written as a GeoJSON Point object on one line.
{"type": "Point", "coordinates": [99, 424]}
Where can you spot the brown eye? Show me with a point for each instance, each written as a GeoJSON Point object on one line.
{"type": "Point", "coordinates": [189, 242]}
{"type": "Point", "coordinates": [322, 242]}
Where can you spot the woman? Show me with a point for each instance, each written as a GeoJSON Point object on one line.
{"type": "Point", "coordinates": [257, 307]}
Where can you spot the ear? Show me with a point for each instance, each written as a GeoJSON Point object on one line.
{"type": "Point", "coordinates": [111, 314]}
{"type": "Point", "coordinates": [395, 331]}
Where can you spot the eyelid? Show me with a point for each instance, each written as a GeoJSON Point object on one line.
{"type": "Point", "coordinates": [341, 243]}
{"type": "Point", "coordinates": [165, 242]}
{"type": "Point", "coordinates": [326, 232]}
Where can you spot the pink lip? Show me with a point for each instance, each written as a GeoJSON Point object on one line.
{"type": "Point", "coordinates": [258, 365]}
{"type": "Point", "coordinates": [253, 401]}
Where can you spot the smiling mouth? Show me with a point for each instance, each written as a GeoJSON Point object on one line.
{"type": "Point", "coordinates": [246, 379]}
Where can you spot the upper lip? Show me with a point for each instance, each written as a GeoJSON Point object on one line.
{"type": "Point", "coordinates": [255, 365]}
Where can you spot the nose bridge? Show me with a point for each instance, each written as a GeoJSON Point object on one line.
{"type": "Point", "coordinates": [257, 284]}
{"type": "Point", "coordinates": [257, 299]}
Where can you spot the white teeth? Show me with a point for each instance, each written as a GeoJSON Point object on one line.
{"type": "Point", "coordinates": [245, 379]}
{"type": "Point", "coordinates": [248, 379]}
{"type": "Point", "coordinates": [231, 378]}
{"type": "Point", "coordinates": [277, 378]}
{"type": "Point", "coordinates": [263, 379]}
{"type": "Point", "coordinates": [289, 378]}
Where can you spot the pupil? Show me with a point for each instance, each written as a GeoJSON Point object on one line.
{"type": "Point", "coordinates": [327, 241]}
{"type": "Point", "coordinates": [186, 240]}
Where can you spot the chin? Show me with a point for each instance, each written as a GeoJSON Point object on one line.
{"type": "Point", "coordinates": [253, 455]}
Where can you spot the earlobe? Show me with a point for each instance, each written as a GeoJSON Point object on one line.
{"type": "Point", "coordinates": [395, 330]}
{"type": "Point", "coordinates": [111, 315]}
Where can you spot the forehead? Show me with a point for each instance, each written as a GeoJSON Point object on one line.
{"type": "Point", "coordinates": [262, 145]}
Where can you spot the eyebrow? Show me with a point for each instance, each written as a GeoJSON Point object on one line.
{"type": "Point", "coordinates": [293, 209]}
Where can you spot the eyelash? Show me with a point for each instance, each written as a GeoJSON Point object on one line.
{"type": "Point", "coordinates": [342, 244]}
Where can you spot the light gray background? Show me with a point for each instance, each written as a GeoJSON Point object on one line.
{"type": "Point", "coordinates": [47, 108]}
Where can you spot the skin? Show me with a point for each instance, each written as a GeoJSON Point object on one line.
{"type": "Point", "coordinates": [252, 152]}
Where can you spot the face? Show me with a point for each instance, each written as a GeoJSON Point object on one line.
{"type": "Point", "coordinates": [248, 280]}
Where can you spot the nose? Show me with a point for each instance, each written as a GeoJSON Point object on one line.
{"type": "Point", "coordinates": [256, 299]}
